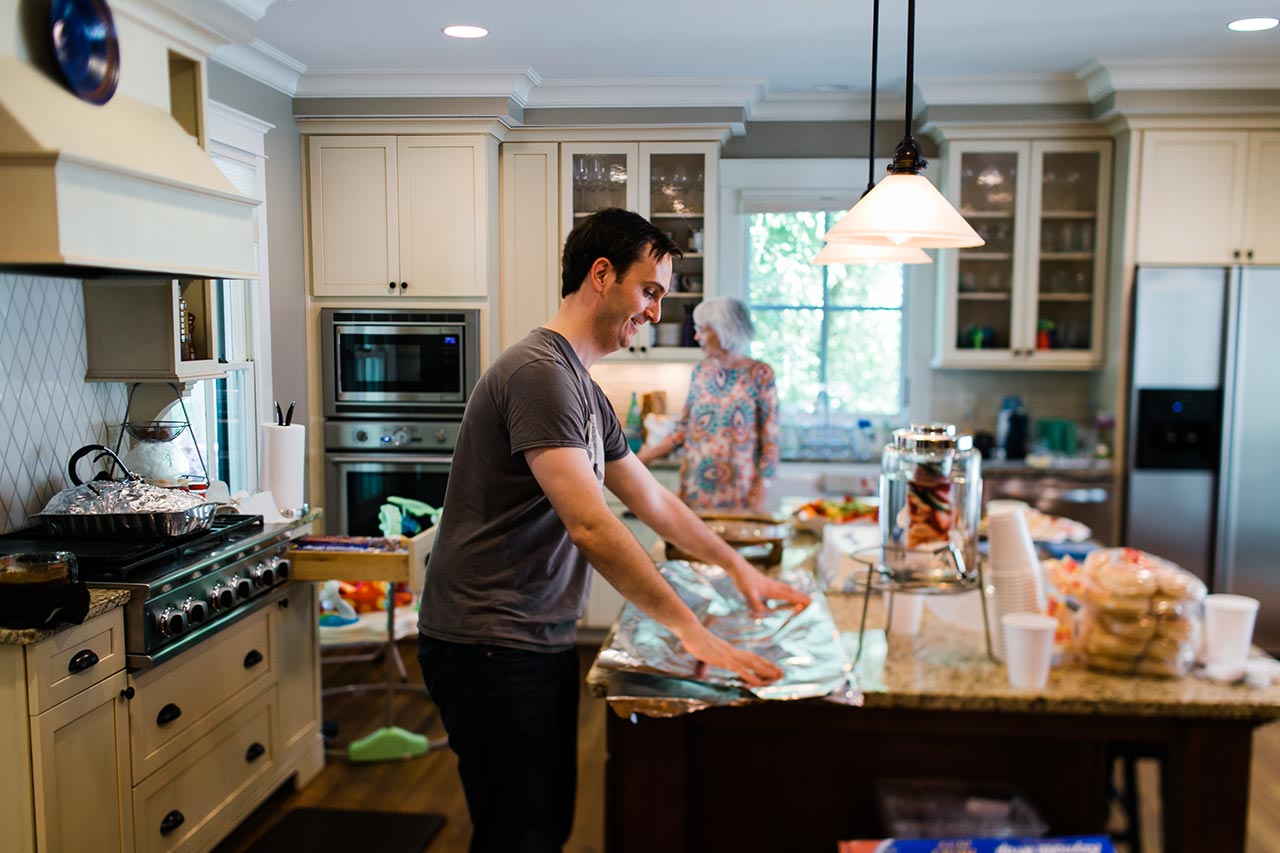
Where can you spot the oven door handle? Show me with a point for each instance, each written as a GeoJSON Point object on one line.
{"type": "Point", "coordinates": [394, 458]}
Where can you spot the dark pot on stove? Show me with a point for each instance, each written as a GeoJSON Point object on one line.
{"type": "Point", "coordinates": [40, 589]}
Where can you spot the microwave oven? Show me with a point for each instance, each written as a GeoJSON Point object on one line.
{"type": "Point", "coordinates": [416, 363]}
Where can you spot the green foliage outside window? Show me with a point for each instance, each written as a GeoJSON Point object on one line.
{"type": "Point", "coordinates": [832, 328]}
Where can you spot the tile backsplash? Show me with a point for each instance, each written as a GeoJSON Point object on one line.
{"type": "Point", "coordinates": [47, 410]}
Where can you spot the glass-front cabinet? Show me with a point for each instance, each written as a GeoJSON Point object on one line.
{"type": "Point", "coordinates": [1031, 297]}
{"type": "Point", "coordinates": [673, 184]}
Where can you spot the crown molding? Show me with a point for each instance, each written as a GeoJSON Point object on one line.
{"type": "Point", "coordinates": [824, 106]}
{"type": "Point", "coordinates": [1003, 89]}
{"type": "Point", "coordinates": [1103, 77]}
{"type": "Point", "coordinates": [263, 63]}
{"type": "Point", "coordinates": [651, 92]}
{"type": "Point", "coordinates": [514, 83]}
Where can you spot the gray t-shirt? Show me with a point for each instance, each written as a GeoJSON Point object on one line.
{"type": "Point", "coordinates": [503, 569]}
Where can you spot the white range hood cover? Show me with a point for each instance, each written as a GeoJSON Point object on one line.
{"type": "Point", "coordinates": [117, 187]}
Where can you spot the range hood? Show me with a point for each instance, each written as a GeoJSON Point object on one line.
{"type": "Point", "coordinates": [117, 188]}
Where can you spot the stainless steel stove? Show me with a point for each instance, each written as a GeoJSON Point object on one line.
{"type": "Point", "coordinates": [181, 592]}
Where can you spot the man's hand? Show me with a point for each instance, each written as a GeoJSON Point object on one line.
{"type": "Point", "coordinates": [758, 588]}
{"type": "Point", "coordinates": [710, 650]}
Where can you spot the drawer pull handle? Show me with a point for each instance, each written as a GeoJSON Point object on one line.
{"type": "Point", "coordinates": [128, 693]}
{"type": "Point", "coordinates": [172, 821]}
{"type": "Point", "coordinates": [168, 714]}
{"type": "Point", "coordinates": [283, 603]}
{"type": "Point", "coordinates": [254, 752]}
{"type": "Point", "coordinates": [252, 659]}
{"type": "Point", "coordinates": [81, 661]}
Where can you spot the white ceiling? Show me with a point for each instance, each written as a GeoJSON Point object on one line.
{"type": "Point", "coordinates": [781, 46]}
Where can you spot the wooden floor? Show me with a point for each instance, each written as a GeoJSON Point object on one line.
{"type": "Point", "coordinates": [430, 783]}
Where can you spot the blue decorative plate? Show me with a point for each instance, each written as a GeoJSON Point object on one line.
{"type": "Point", "coordinates": [85, 47]}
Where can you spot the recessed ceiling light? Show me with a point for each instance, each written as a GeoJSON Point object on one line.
{"type": "Point", "coordinates": [465, 31]}
{"type": "Point", "coordinates": [1251, 25]}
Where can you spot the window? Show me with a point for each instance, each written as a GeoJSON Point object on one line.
{"type": "Point", "coordinates": [833, 334]}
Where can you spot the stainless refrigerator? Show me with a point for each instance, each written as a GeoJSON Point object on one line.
{"type": "Point", "coordinates": [1204, 430]}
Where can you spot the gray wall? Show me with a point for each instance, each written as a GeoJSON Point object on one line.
{"type": "Point", "coordinates": [284, 226]}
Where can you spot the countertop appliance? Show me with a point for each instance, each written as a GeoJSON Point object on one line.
{"type": "Point", "coordinates": [398, 364]}
{"type": "Point", "coordinates": [183, 591]}
{"type": "Point", "coordinates": [1204, 414]}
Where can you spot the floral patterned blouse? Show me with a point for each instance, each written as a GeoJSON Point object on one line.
{"type": "Point", "coordinates": [729, 430]}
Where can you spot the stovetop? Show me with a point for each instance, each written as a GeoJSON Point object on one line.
{"type": "Point", "coordinates": [111, 560]}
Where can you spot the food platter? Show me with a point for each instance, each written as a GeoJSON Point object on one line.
{"type": "Point", "coordinates": [85, 48]}
{"type": "Point", "coordinates": [818, 513]}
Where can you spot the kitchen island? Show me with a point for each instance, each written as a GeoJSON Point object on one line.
{"type": "Point", "coordinates": [801, 775]}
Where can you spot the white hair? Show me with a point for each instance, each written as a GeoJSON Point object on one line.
{"type": "Point", "coordinates": [730, 320]}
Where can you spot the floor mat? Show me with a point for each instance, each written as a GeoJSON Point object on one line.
{"type": "Point", "coordinates": [345, 830]}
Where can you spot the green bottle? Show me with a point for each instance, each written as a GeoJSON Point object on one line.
{"type": "Point", "coordinates": [634, 428]}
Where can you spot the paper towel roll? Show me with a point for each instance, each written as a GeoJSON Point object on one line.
{"type": "Point", "coordinates": [283, 453]}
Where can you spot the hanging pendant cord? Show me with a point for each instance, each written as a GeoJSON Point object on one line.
{"type": "Point", "coordinates": [875, 62]}
{"type": "Point", "coordinates": [911, 59]}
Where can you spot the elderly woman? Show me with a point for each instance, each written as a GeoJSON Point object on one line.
{"type": "Point", "coordinates": [729, 428]}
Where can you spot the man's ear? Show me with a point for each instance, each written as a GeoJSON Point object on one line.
{"type": "Point", "coordinates": [600, 273]}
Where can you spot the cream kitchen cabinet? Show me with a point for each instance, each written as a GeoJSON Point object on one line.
{"type": "Point", "coordinates": [151, 330]}
{"type": "Point", "coordinates": [64, 741]}
{"type": "Point", "coordinates": [1031, 297]}
{"type": "Point", "coordinates": [531, 242]}
{"type": "Point", "coordinates": [403, 215]}
{"type": "Point", "coordinates": [1209, 197]}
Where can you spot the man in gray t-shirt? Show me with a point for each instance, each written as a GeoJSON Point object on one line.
{"type": "Point", "coordinates": [524, 514]}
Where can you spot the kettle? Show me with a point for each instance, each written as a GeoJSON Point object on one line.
{"type": "Point", "coordinates": [1011, 429]}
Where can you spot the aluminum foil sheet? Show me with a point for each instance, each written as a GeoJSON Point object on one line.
{"type": "Point", "coordinates": [99, 497]}
{"type": "Point", "coordinates": [806, 645]}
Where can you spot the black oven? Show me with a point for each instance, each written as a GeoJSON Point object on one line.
{"type": "Point", "coordinates": [414, 363]}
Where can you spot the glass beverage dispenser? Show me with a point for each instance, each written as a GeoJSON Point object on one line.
{"type": "Point", "coordinates": [930, 506]}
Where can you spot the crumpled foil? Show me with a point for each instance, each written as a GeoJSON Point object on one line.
{"type": "Point", "coordinates": [806, 645]}
{"type": "Point", "coordinates": [99, 497]}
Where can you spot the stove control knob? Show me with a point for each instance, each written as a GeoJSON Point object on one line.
{"type": "Point", "coordinates": [196, 611]}
{"type": "Point", "coordinates": [171, 622]}
{"type": "Point", "coordinates": [362, 436]}
{"type": "Point", "coordinates": [243, 587]}
{"type": "Point", "coordinates": [399, 437]}
{"type": "Point", "coordinates": [222, 597]}
{"type": "Point", "coordinates": [263, 575]}
{"type": "Point", "coordinates": [282, 571]}
{"type": "Point", "coordinates": [441, 436]}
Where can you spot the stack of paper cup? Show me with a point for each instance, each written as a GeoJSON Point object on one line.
{"type": "Point", "coordinates": [1013, 570]}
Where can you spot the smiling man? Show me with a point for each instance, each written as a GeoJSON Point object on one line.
{"type": "Point", "coordinates": [525, 518]}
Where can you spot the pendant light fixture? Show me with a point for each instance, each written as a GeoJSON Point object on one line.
{"type": "Point", "coordinates": [904, 209]}
{"type": "Point", "coordinates": [851, 253]}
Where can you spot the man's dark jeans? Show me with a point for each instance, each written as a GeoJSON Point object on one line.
{"type": "Point", "coordinates": [512, 719]}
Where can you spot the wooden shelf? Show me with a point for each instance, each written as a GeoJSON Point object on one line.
{"type": "Point", "coordinates": [985, 297]}
{"type": "Point", "coordinates": [1066, 256]}
{"type": "Point", "coordinates": [986, 214]}
{"type": "Point", "coordinates": [1068, 214]}
{"type": "Point", "coordinates": [1065, 297]}
{"type": "Point", "coordinates": [985, 256]}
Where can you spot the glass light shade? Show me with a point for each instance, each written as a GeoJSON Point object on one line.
{"type": "Point", "coordinates": [904, 210]}
{"type": "Point", "coordinates": [851, 253]}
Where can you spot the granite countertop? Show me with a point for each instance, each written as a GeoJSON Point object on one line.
{"type": "Point", "coordinates": [100, 601]}
{"type": "Point", "coordinates": [946, 668]}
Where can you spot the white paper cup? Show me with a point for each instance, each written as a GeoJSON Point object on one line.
{"type": "Point", "coordinates": [1028, 648]}
{"type": "Point", "coordinates": [1228, 629]}
{"type": "Point", "coordinates": [905, 612]}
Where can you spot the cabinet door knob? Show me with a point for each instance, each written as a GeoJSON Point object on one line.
{"type": "Point", "coordinates": [404, 285]}
{"type": "Point", "coordinates": [254, 752]}
{"type": "Point", "coordinates": [1236, 254]}
{"type": "Point", "coordinates": [172, 821]}
{"type": "Point", "coordinates": [168, 714]}
{"type": "Point", "coordinates": [252, 659]}
{"type": "Point", "coordinates": [1249, 254]}
{"type": "Point", "coordinates": [283, 604]}
{"type": "Point", "coordinates": [82, 660]}
{"type": "Point", "coordinates": [128, 693]}
{"type": "Point", "coordinates": [391, 285]}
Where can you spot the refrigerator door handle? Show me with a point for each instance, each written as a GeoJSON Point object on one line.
{"type": "Point", "coordinates": [1224, 547]}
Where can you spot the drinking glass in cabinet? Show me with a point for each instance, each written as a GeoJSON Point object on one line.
{"type": "Point", "coordinates": [987, 182]}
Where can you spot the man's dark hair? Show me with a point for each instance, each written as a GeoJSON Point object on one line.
{"type": "Point", "coordinates": [617, 235]}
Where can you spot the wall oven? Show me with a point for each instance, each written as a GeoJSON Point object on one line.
{"type": "Point", "coordinates": [368, 461]}
{"type": "Point", "coordinates": [409, 363]}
